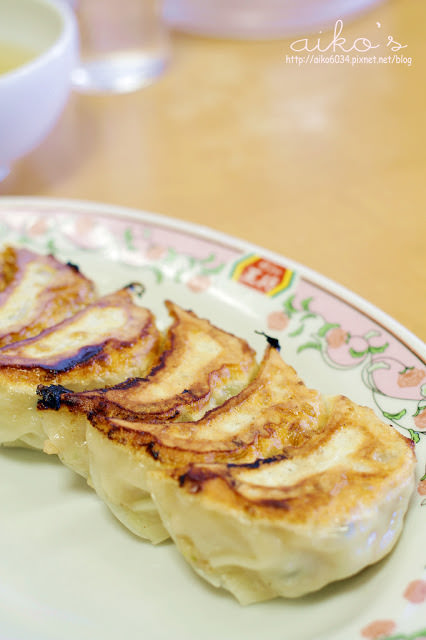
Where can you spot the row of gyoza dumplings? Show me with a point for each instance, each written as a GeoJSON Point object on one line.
{"type": "Point", "coordinates": [266, 487]}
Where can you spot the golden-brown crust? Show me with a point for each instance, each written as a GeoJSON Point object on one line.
{"type": "Point", "coordinates": [9, 267]}
{"type": "Point", "coordinates": [97, 338]}
{"type": "Point", "coordinates": [38, 291]}
{"type": "Point", "coordinates": [380, 461]}
{"type": "Point", "coordinates": [275, 413]}
{"type": "Point", "coordinates": [276, 450]}
{"type": "Point", "coordinates": [197, 359]}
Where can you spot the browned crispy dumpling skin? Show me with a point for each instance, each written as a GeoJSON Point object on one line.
{"type": "Point", "coordinates": [277, 492]}
{"type": "Point", "coordinates": [200, 367]}
{"type": "Point", "coordinates": [267, 487]}
{"type": "Point", "coordinates": [274, 408]}
{"type": "Point", "coordinates": [100, 344]}
{"type": "Point", "coordinates": [37, 292]}
{"type": "Point", "coordinates": [289, 524]}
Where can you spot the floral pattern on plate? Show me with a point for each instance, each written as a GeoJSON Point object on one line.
{"type": "Point", "coordinates": [395, 376]}
{"type": "Point", "coordinates": [322, 327]}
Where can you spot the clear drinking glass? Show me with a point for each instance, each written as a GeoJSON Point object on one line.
{"type": "Point", "coordinates": [124, 44]}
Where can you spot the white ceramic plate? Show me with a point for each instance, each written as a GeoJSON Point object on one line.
{"type": "Point", "coordinates": [69, 571]}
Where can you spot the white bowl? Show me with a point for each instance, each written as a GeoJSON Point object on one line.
{"type": "Point", "coordinates": [33, 95]}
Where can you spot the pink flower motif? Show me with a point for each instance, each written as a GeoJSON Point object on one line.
{"type": "Point", "coordinates": [277, 320]}
{"type": "Point", "coordinates": [197, 284]}
{"type": "Point", "coordinates": [387, 379]}
{"type": "Point", "coordinates": [84, 225]}
{"type": "Point", "coordinates": [421, 488]}
{"type": "Point", "coordinates": [85, 234]}
{"type": "Point", "coordinates": [39, 227]}
{"type": "Point", "coordinates": [420, 420]}
{"type": "Point", "coordinates": [336, 337]}
{"type": "Point", "coordinates": [416, 591]}
{"type": "Point", "coordinates": [378, 629]}
{"type": "Point", "coordinates": [155, 252]}
{"type": "Point", "coordinates": [411, 377]}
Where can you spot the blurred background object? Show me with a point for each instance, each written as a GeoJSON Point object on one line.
{"type": "Point", "coordinates": [259, 18]}
{"type": "Point", "coordinates": [38, 50]}
{"type": "Point", "coordinates": [320, 159]}
{"type": "Point", "coordinates": [124, 44]}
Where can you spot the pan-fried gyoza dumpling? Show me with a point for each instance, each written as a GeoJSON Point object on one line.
{"type": "Point", "coordinates": [319, 511]}
{"type": "Point", "coordinates": [277, 492]}
{"type": "Point", "coordinates": [247, 426]}
{"type": "Point", "coordinates": [100, 344]}
{"type": "Point", "coordinates": [37, 292]}
{"type": "Point", "coordinates": [200, 367]}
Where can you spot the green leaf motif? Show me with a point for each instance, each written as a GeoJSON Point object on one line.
{"type": "Point", "coordinates": [326, 327]}
{"type": "Point", "coordinates": [51, 247]}
{"type": "Point", "coordinates": [414, 435]}
{"type": "Point", "coordinates": [405, 369]}
{"type": "Point", "coordinates": [289, 307]}
{"type": "Point", "coordinates": [305, 304]}
{"type": "Point", "coordinates": [158, 274]}
{"type": "Point", "coordinates": [128, 239]}
{"type": "Point", "coordinates": [297, 331]}
{"type": "Point", "coordinates": [417, 635]}
{"type": "Point", "coordinates": [420, 408]}
{"type": "Point", "coordinates": [309, 345]}
{"type": "Point", "coordinates": [170, 256]}
{"type": "Point", "coordinates": [380, 349]}
{"type": "Point", "coordinates": [357, 354]}
{"type": "Point", "coordinates": [395, 416]}
{"type": "Point", "coordinates": [308, 315]}
{"type": "Point", "coordinates": [212, 271]}
{"type": "Point", "coordinates": [209, 258]}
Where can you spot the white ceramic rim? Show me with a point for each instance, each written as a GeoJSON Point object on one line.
{"type": "Point", "coordinates": [404, 335]}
